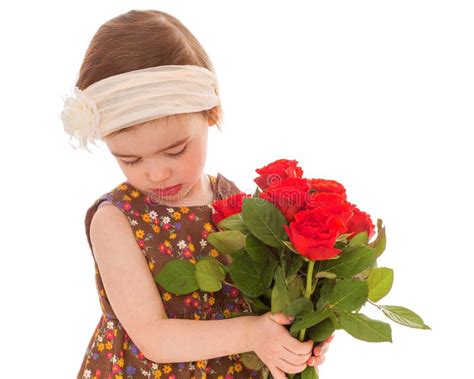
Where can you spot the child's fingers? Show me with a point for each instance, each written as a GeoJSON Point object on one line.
{"type": "Point", "coordinates": [330, 338]}
{"type": "Point", "coordinates": [324, 344]}
{"type": "Point", "coordinates": [319, 360]}
{"type": "Point", "coordinates": [321, 349]}
{"type": "Point", "coordinates": [318, 350]}
{"type": "Point", "coordinates": [315, 361]}
{"type": "Point", "coordinates": [325, 347]}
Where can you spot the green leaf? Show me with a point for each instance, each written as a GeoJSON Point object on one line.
{"type": "Point", "coordinates": [335, 320]}
{"type": "Point", "coordinates": [343, 237]}
{"type": "Point", "coordinates": [256, 304]}
{"type": "Point", "coordinates": [291, 247]}
{"type": "Point", "coordinates": [295, 288]}
{"type": "Point", "coordinates": [359, 239]}
{"type": "Point", "coordinates": [178, 277]}
{"type": "Point", "coordinates": [298, 306]}
{"type": "Point", "coordinates": [269, 272]}
{"type": "Point", "coordinates": [309, 373]}
{"type": "Point", "coordinates": [227, 241]}
{"type": "Point", "coordinates": [246, 274]}
{"type": "Point", "coordinates": [348, 294]}
{"type": "Point", "coordinates": [280, 298]}
{"type": "Point", "coordinates": [267, 294]}
{"type": "Point", "coordinates": [362, 327]}
{"type": "Point", "coordinates": [380, 282]}
{"type": "Point", "coordinates": [264, 220]}
{"type": "Point", "coordinates": [296, 263]}
{"type": "Point", "coordinates": [257, 250]}
{"type": "Point", "coordinates": [234, 255]}
{"type": "Point", "coordinates": [380, 242]}
{"type": "Point", "coordinates": [363, 275]}
{"type": "Point", "coordinates": [294, 334]}
{"type": "Point", "coordinates": [209, 274]}
{"type": "Point", "coordinates": [325, 293]}
{"type": "Point", "coordinates": [321, 330]}
{"type": "Point", "coordinates": [334, 258]}
{"type": "Point", "coordinates": [309, 319]}
{"type": "Point", "coordinates": [404, 316]}
{"type": "Point", "coordinates": [251, 360]}
{"type": "Point", "coordinates": [325, 274]}
{"type": "Point", "coordinates": [357, 310]}
{"type": "Point", "coordinates": [351, 262]}
{"type": "Point", "coordinates": [234, 222]}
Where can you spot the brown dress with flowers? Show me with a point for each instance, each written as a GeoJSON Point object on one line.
{"type": "Point", "coordinates": [164, 233]}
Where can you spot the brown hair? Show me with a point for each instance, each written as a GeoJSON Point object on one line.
{"type": "Point", "coordinates": [140, 39]}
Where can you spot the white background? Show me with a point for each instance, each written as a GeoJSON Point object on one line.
{"type": "Point", "coordinates": [377, 95]}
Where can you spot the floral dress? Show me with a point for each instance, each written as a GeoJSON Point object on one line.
{"type": "Point", "coordinates": [164, 233]}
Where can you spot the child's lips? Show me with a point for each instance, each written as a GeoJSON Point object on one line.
{"type": "Point", "coordinates": [167, 191]}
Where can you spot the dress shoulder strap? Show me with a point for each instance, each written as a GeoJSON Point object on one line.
{"type": "Point", "coordinates": [224, 187]}
{"type": "Point", "coordinates": [117, 196]}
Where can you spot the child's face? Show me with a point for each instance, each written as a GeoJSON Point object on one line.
{"type": "Point", "coordinates": [155, 166]}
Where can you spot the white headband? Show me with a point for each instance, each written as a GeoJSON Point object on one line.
{"type": "Point", "coordinates": [127, 99]}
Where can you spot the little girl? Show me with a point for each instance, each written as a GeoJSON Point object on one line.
{"type": "Point", "coordinates": [147, 89]}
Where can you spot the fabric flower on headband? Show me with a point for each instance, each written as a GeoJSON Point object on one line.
{"type": "Point", "coordinates": [80, 118]}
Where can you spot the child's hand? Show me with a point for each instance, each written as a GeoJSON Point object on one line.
{"type": "Point", "coordinates": [276, 347]}
{"type": "Point", "coordinates": [319, 351]}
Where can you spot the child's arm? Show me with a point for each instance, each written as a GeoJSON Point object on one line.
{"type": "Point", "coordinates": [181, 340]}
{"type": "Point", "coordinates": [137, 303]}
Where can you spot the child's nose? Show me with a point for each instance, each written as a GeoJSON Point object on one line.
{"type": "Point", "coordinates": [158, 175]}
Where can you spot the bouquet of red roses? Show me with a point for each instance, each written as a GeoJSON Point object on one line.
{"type": "Point", "coordinates": [298, 246]}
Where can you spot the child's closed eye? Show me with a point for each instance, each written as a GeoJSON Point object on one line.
{"type": "Point", "coordinates": [178, 153]}
{"type": "Point", "coordinates": [173, 156]}
{"type": "Point", "coordinates": [131, 163]}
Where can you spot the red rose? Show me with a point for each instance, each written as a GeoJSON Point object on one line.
{"type": "Point", "coordinates": [314, 233]}
{"type": "Point", "coordinates": [359, 222]}
{"type": "Point", "coordinates": [276, 171]}
{"type": "Point", "coordinates": [289, 196]}
{"type": "Point", "coordinates": [332, 203]}
{"type": "Point", "coordinates": [326, 185]}
{"type": "Point", "coordinates": [227, 207]}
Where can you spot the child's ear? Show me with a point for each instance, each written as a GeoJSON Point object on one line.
{"type": "Point", "coordinates": [213, 115]}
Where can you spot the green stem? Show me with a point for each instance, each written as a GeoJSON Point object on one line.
{"type": "Point", "coordinates": [307, 294]}
{"type": "Point", "coordinates": [371, 302]}
{"type": "Point", "coordinates": [230, 284]}
{"type": "Point", "coordinates": [308, 291]}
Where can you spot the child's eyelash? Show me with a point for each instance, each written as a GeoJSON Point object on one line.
{"type": "Point", "coordinates": [177, 154]}
{"type": "Point", "coordinates": [131, 163]}
{"type": "Point", "coordinates": [173, 156]}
